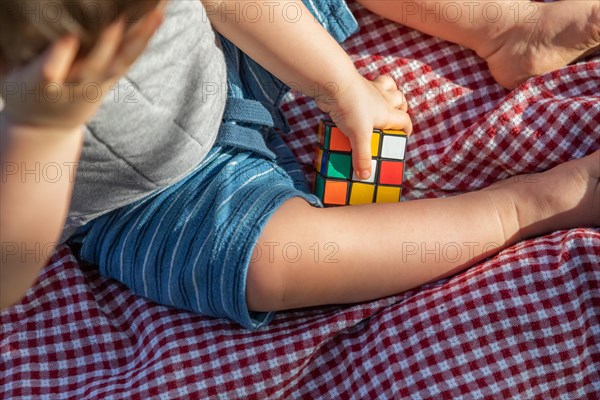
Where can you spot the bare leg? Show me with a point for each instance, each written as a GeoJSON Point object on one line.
{"type": "Point", "coordinates": [359, 253]}
{"type": "Point", "coordinates": [519, 39]}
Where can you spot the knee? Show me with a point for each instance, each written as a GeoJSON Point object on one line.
{"type": "Point", "coordinates": [269, 282]}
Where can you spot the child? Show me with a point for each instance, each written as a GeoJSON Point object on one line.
{"type": "Point", "coordinates": [197, 218]}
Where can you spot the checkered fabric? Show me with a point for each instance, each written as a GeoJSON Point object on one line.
{"type": "Point", "coordinates": [521, 325]}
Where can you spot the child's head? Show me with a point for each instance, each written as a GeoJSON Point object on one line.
{"type": "Point", "coordinates": [27, 27]}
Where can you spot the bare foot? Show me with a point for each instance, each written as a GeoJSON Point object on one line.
{"type": "Point", "coordinates": [566, 196]}
{"type": "Point", "coordinates": [560, 33]}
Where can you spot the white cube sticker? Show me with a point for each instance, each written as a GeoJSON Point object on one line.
{"type": "Point", "coordinates": [394, 147]}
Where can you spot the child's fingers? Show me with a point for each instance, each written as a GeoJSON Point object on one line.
{"type": "Point", "coordinates": [361, 154]}
{"type": "Point", "coordinates": [400, 120]}
{"type": "Point", "coordinates": [94, 66]}
{"type": "Point", "coordinates": [404, 105]}
{"type": "Point", "coordinates": [403, 102]}
{"type": "Point", "coordinates": [56, 62]}
{"type": "Point", "coordinates": [135, 43]}
{"type": "Point", "coordinates": [390, 91]}
{"type": "Point", "coordinates": [50, 69]}
{"type": "Point", "coordinates": [397, 100]}
{"type": "Point", "coordinates": [386, 82]}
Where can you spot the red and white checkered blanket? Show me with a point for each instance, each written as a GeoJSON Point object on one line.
{"type": "Point", "coordinates": [523, 324]}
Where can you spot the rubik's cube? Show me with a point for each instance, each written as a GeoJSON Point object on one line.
{"type": "Point", "coordinates": [336, 184]}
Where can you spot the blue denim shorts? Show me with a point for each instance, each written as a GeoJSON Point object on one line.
{"type": "Point", "coordinates": [190, 245]}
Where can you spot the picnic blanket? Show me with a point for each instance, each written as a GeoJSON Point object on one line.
{"type": "Point", "coordinates": [521, 325]}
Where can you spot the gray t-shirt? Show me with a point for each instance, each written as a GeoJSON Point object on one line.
{"type": "Point", "coordinates": [158, 123]}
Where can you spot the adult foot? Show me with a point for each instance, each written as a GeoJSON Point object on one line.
{"type": "Point", "coordinates": [566, 196]}
{"type": "Point", "coordinates": [557, 35]}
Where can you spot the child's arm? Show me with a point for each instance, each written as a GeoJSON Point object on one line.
{"type": "Point", "coordinates": [41, 144]}
{"type": "Point", "coordinates": [303, 55]}
{"type": "Point", "coordinates": [38, 166]}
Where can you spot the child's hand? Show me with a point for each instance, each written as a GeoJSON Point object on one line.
{"type": "Point", "coordinates": [59, 92]}
{"type": "Point", "coordinates": [361, 106]}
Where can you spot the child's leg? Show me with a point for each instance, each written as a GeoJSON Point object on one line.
{"type": "Point", "coordinates": [308, 256]}
{"type": "Point", "coordinates": [519, 39]}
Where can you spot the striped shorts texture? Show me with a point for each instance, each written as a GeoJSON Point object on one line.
{"type": "Point", "coordinates": [190, 245]}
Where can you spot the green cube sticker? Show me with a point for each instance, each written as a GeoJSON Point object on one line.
{"type": "Point", "coordinates": [339, 166]}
